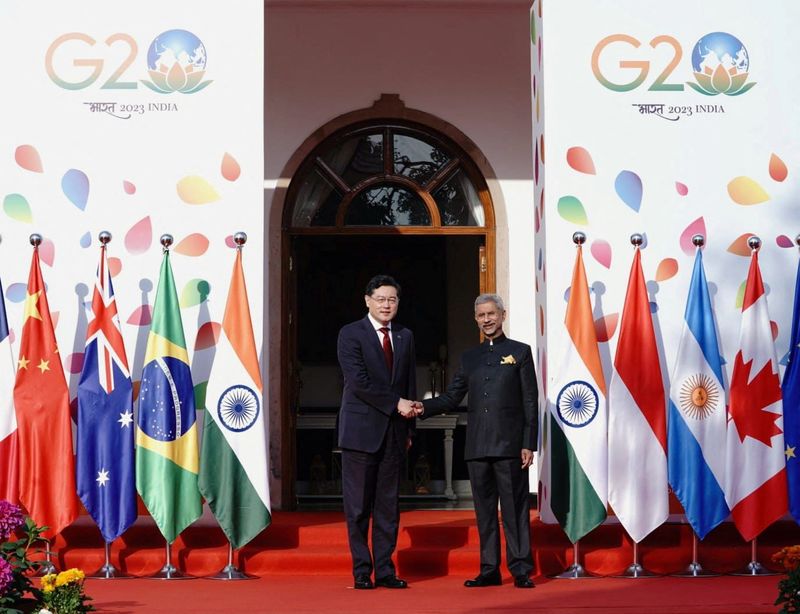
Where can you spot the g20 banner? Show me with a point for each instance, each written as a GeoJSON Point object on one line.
{"type": "Point", "coordinates": [667, 120]}
{"type": "Point", "coordinates": [140, 119]}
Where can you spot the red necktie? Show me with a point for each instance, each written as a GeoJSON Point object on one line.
{"type": "Point", "coordinates": [388, 354]}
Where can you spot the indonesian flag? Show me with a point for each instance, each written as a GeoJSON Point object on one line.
{"type": "Point", "coordinates": [9, 467]}
{"type": "Point", "coordinates": [755, 467]}
{"type": "Point", "coordinates": [579, 420]}
{"type": "Point", "coordinates": [637, 423]}
{"type": "Point", "coordinates": [41, 397]}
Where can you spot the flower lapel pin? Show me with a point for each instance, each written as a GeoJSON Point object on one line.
{"type": "Point", "coordinates": [508, 360]}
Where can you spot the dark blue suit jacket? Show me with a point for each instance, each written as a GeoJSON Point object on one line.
{"type": "Point", "coordinates": [371, 393]}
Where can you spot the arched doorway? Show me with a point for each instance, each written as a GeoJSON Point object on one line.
{"type": "Point", "coordinates": [383, 194]}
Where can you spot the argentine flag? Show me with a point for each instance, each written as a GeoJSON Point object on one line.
{"type": "Point", "coordinates": [696, 431]}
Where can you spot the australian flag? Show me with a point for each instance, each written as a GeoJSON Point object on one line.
{"type": "Point", "coordinates": [105, 461]}
{"type": "Point", "coordinates": [791, 409]}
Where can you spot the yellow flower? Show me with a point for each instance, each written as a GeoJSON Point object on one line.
{"type": "Point", "coordinates": [49, 583]}
{"type": "Point", "coordinates": [69, 576]}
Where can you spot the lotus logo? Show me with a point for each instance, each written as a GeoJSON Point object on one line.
{"type": "Point", "coordinates": [176, 61]}
{"type": "Point", "coordinates": [721, 65]}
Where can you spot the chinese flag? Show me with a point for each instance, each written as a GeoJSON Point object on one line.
{"type": "Point", "coordinates": [44, 427]}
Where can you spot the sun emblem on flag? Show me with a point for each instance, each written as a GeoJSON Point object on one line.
{"type": "Point", "coordinates": [577, 403]}
{"type": "Point", "coordinates": [238, 408]}
{"type": "Point", "coordinates": [699, 396]}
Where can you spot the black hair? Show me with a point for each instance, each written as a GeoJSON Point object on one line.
{"type": "Point", "coordinates": [381, 280]}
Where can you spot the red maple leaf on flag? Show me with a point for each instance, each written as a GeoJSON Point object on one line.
{"type": "Point", "coordinates": [749, 398]}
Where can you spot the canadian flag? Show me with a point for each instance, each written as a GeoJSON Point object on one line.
{"type": "Point", "coordinates": [755, 466]}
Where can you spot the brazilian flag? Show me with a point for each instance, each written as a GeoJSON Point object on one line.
{"type": "Point", "coordinates": [167, 459]}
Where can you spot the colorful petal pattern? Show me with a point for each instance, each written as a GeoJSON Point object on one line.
{"type": "Point", "coordinates": [194, 190]}
{"type": "Point", "coordinates": [745, 191]}
{"type": "Point", "coordinates": [28, 158]}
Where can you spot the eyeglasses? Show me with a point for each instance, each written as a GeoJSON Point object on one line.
{"type": "Point", "coordinates": [382, 300]}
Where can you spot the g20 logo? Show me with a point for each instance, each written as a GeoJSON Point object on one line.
{"type": "Point", "coordinates": [176, 62]}
{"type": "Point", "coordinates": [720, 64]}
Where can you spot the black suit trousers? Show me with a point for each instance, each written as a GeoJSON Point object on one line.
{"type": "Point", "coordinates": [371, 487]}
{"type": "Point", "coordinates": [502, 479]}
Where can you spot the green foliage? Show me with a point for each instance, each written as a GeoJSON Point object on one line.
{"type": "Point", "coordinates": [21, 595]}
{"type": "Point", "coordinates": [789, 587]}
{"type": "Point", "coordinates": [63, 593]}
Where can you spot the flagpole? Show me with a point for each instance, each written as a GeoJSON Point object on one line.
{"type": "Point", "coordinates": [47, 567]}
{"type": "Point", "coordinates": [230, 571]}
{"type": "Point", "coordinates": [754, 568]}
{"type": "Point", "coordinates": [108, 571]}
{"type": "Point", "coordinates": [169, 571]}
{"type": "Point", "coordinates": [636, 569]}
{"type": "Point", "coordinates": [695, 569]}
{"type": "Point", "coordinates": [575, 571]}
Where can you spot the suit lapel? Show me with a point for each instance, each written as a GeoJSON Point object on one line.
{"type": "Point", "coordinates": [398, 341]}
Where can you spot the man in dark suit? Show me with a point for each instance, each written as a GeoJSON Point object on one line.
{"type": "Point", "coordinates": [502, 429]}
{"type": "Point", "coordinates": [375, 422]}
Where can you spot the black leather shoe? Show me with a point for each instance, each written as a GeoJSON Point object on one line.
{"type": "Point", "coordinates": [363, 582]}
{"type": "Point", "coordinates": [523, 581]}
{"type": "Point", "coordinates": [481, 580]}
{"type": "Point", "coordinates": [391, 582]}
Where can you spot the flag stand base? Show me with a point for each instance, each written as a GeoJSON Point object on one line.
{"type": "Point", "coordinates": [108, 571]}
{"type": "Point", "coordinates": [47, 567]}
{"type": "Point", "coordinates": [635, 569]}
{"type": "Point", "coordinates": [695, 569]}
{"type": "Point", "coordinates": [576, 570]}
{"type": "Point", "coordinates": [230, 571]}
{"type": "Point", "coordinates": [754, 568]}
{"type": "Point", "coordinates": [169, 571]}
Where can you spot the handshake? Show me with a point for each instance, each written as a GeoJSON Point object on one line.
{"type": "Point", "coordinates": [410, 409]}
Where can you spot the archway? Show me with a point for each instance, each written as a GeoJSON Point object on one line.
{"type": "Point", "coordinates": [392, 191]}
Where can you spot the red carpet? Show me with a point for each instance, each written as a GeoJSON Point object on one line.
{"type": "Point", "coordinates": [330, 594]}
{"type": "Point", "coordinates": [431, 544]}
{"type": "Point", "coordinates": [304, 564]}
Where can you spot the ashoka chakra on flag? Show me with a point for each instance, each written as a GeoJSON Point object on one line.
{"type": "Point", "coordinates": [577, 404]}
{"type": "Point", "coordinates": [238, 408]}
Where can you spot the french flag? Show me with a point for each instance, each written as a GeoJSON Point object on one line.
{"type": "Point", "coordinates": [9, 464]}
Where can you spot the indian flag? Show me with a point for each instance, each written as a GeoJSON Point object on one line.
{"type": "Point", "coordinates": [167, 457]}
{"type": "Point", "coordinates": [233, 474]}
{"type": "Point", "coordinates": [578, 420]}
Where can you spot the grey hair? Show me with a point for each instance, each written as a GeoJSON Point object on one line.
{"type": "Point", "coordinates": [490, 298]}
